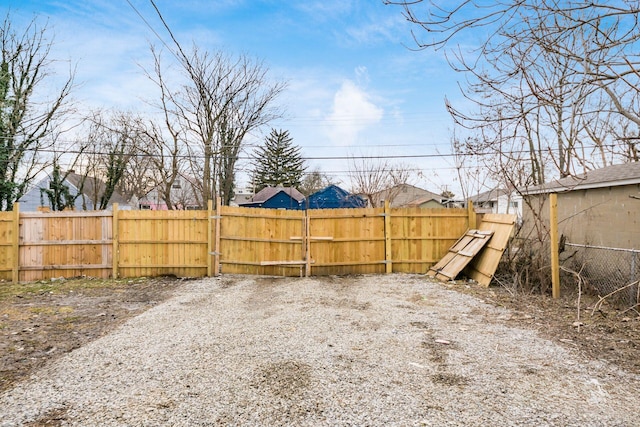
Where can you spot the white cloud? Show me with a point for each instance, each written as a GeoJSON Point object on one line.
{"type": "Point", "coordinates": [352, 113]}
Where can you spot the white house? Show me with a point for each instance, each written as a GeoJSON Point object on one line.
{"type": "Point", "coordinates": [498, 200]}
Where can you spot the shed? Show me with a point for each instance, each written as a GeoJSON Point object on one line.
{"type": "Point", "coordinates": [276, 198]}
{"type": "Point", "coordinates": [334, 197]}
{"type": "Point", "coordinates": [599, 207]}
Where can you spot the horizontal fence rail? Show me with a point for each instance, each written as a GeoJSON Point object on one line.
{"type": "Point", "coordinates": [123, 243]}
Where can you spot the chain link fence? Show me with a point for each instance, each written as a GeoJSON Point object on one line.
{"type": "Point", "coordinates": [608, 271]}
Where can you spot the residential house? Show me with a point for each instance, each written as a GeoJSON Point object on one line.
{"type": "Point", "coordinates": [182, 197]}
{"type": "Point", "coordinates": [277, 198]}
{"type": "Point", "coordinates": [599, 207]}
{"type": "Point", "coordinates": [498, 200]}
{"type": "Point", "coordinates": [334, 197]}
{"type": "Point", "coordinates": [425, 203]}
{"type": "Point", "coordinates": [403, 195]}
{"type": "Point", "coordinates": [241, 198]}
{"type": "Point", "coordinates": [90, 191]}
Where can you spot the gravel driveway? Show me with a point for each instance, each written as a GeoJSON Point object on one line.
{"type": "Point", "coordinates": [393, 350]}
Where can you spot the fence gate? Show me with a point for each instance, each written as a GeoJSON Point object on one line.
{"type": "Point", "coordinates": [334, 241]}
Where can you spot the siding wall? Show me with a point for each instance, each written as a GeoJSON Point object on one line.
{"type": "Point", "coordinates": [600, 216]}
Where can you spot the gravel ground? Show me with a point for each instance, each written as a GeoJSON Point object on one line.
{"type": "Point", "coordinates": [393, 350]}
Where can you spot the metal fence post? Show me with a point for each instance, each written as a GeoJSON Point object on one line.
{"type": "Point", "coordinates": [633, 290]}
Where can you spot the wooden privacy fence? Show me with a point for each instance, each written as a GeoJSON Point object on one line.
{"type": "Point", "coordinates": [36, 246]}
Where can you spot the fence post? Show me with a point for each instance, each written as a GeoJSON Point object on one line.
{"type": "Point", "coordinates": [633, 297]}
{"type": "Point", "coordinates": [15, 244]}
{"type": "Point", "coordinates": [472, 215]}
{"type": "Point", "coordinates": [216, 247]}
{"type": "Point", "coordinates": [209, 237]}
{"type": "Point", "coordinates": [115, 255]}
{"type": "Point", "coordinates": [387, 238]}
{"type": "Point", "coordinates": [555, 261]}
{"type": "Point", "coordinates": [306, 241]}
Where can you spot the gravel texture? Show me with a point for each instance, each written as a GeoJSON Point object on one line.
{"type": "Point", "coordinates": [393, 350]}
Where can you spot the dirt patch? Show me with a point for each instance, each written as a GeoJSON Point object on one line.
{"type": "Point", "coordinates": [600, 331]}
{"type": "Point", "coordinates": [285, 379]}
{"type": "Point", "coordinates": [44, 320]}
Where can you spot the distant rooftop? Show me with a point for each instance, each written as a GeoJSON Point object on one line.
{"type": "Point", "coordinates": [610, 176]}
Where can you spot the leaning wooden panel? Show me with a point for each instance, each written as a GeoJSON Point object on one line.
{"type": "Point", "coordinates": [484, 265]}
{"type": "Point", "coordinates": [460, 254]}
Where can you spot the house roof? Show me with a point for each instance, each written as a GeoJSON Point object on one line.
{"type": "Point", "coordinates": [422, 200]}
{"type": "Point", "coordinates": [403, 194]}
{"type": "Point", "coordinates": [610, 176]}
{"type": "Point", "coordinates": [93, 188]}
{"type": "Point", "coordinates": [490, 195]}
{"type": "Point", "coordinates": [268, 192]}
{"type": "Point", "coordinates": [333, 196]}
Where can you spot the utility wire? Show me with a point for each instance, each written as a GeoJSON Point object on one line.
{"type": "Point", "coordinates": [343, 157]}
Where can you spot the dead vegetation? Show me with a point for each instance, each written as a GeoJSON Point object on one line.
{"type": "Point", "coordinates": [597, 327]}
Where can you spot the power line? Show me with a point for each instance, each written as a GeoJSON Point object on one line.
{"type": "Point", "coordinates": [342, 157]}
{"type": "Point", "coordinates": [152, 29]}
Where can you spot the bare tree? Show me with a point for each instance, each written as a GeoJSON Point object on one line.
{"type": "Point", "coordinates": [314, 181]}
{"type": "Point", "coordinates": [114, 138]}
{"type": "Point", "coordinates": [29, 124]}
{"type": "Point", "coordinates": [138, 178]}
{"type": "Point", "coordinates": [470, 170]}
{"type": "Point", "coordinates": [224, 99]}
{"type": "Point", "coordinates": [548, 77]}
{"type": "Point", "coordinates": [165, 144]}
{"type": "Point", "coordinates": [377, 179]}
{"type": "Point", "coordinates": [228, 99]}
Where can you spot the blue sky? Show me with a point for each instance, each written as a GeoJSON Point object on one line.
{"type": "Point", "coordinates": [354, 86]}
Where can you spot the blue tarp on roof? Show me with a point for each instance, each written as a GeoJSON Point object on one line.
{"type": "Point", "coordinates": [334, 197]}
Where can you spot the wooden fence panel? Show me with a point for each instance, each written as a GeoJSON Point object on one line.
{"type": "Point", "coordinates": [261, 241]}
{"type": "Point", "coordinates": [153, 243]}
{"type": "Point", "coordinates": [421, 237]}
{"type": "Point", "coordinates": [347, 241]}
{"type": "Point", "coordinates": [64, 244]}
{"type": "Point", "coordinates": [7, 249]}
{"type": "Point", "coordinates": [228, 240]}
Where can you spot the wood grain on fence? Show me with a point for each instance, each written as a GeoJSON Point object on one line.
{"type": "Point", "coordinates": [8, 245]}
{"type": "Point", "coordinates": [420, 237]}
{"type": "Point", "coordinates": [64, 244]}
{"type": "Point", "coordinates": [152, 243]}
{"type": "Point", "coordinates": [261, 241]}
{"type": "Point", "coordinates": [122, 243]}
{"type": "Point", "coordinates": [347, 241]}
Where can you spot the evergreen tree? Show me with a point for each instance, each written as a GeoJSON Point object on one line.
{"type": "Point", "coordinates": [278, 162]}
